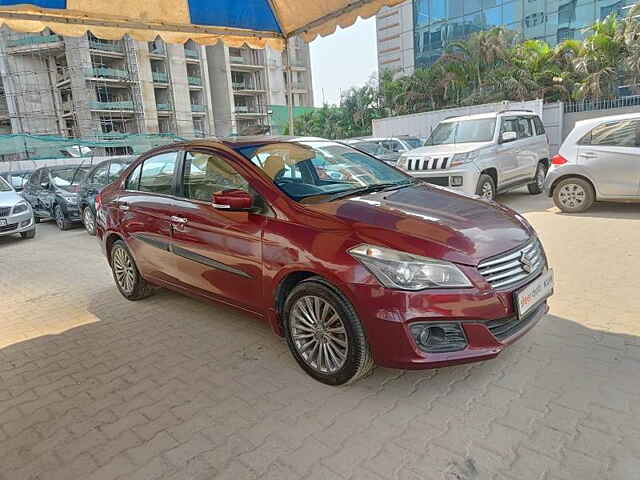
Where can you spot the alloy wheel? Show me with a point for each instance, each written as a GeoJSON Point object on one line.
{"type": "Point", "coordinates": [571, 195]}
{"type": "Point", "coordinates": [59, 217]}
{"type": "Point", "coordinates": [319, 334]}
{"type": "Point", "coordinates": [124, 270]}
{"type": "Point", "coordinates": [89, 220]}
{"type": "Point", "coordinates": [487, 191]}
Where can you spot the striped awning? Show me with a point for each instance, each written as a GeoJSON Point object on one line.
{"type": "Point", "coordinates": [256, 23]}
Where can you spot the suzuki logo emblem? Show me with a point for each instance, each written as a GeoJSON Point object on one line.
{"type": "Point", "coordinates": [527, 265]}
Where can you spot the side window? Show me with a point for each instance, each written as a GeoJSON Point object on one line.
{"type": "Point", "coordinates": [615, 134]}
{"type": "Point", "coordinates": [133, 182]}
{"type": "Point", "coordinates": [158, 173]}
{"type": "Point", "coordinates": [523, 127]}
{"type": "Point", "coordinates": [538, 126]}
{"type": "Point", "coordinates": [208, 173]}
{"type": "Point", "coordinates": [509, 124]}
{"type": "Point", "coordinates": [100, 175]}
{"type": "Point", "coordinates": [115, 169]}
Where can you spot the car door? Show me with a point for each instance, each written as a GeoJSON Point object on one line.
{"type": "Point", "coordinates": [90, 188]}
{"type": "Point", "coordinates": [30, 191]}
{"type": "Point", "coordinates": [611, 154]}
{"type": "Point", "coordinates": [47, 192]}
{"type": "Point", "coordinates": [218, 252]}
{"type": "Point", "coordinates": [145, 208]}
{"type": "Point", "coordinates": [527, 153]}
{"type": "Point", "coordinates": [507, 152]}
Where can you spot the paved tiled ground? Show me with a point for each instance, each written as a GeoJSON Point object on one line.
{"type": "Point", "coordinates": [95, 387]}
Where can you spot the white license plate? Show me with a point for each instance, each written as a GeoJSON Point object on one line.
{"type": "Point", "coordinates": [3, 222]}
{"type": "Point", "coordinates": [534, 293]}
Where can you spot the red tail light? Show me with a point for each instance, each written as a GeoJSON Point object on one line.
{"type": "Point", "coordinates": [558, 160]}
{"type": "Point", "coordinates": [98, 203]}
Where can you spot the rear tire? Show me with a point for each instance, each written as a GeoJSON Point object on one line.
{"type": "Point", "coordinates": [324, 334]}
{"type": "Point", "coordinates": [61, 220]}
{"type": "Point", "coordinates": [126, 275]}
{"type": "Point", "coordinates": [28, 234]}
{"type": "Point", "coordinates": [89, 220]}
{"type": "Point", "coordinates": [486, 188]}
{"type": "Point", "coordinates": [537, 186]}
{"type": "Point", "coordinates": [573, 195]}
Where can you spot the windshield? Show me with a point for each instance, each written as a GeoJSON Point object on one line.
{"type": "Point", "coordinates": [4, 186]}
{"type": "Point", "coordinates": [372, 148]}
{"type": "Point", "coordinates": [413, 142]}
{"type": "Point", "coordinates": [317, 171]}
{"type": "Point", "coordinates": [66, 177]}
{"type": "Point", "coordinates": [465, 131]}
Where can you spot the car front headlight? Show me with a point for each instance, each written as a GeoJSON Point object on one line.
{"type": "Point", "coordinates": [464, 158]}
{"type": "Point", "coordinates": [20, 207]}
{"type": "Point", "coordinates": [403, 162]}
{"type": "Point", "coordinates": [405, 271]}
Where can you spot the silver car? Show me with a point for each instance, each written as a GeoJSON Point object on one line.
{"type": "Point", "coordinates": [16, 215]}
{"type": "Point", "coordinates": [599, 160]}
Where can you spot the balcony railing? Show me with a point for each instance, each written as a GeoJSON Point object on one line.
{"type": "Point", "coordinates": [106, 45]}
{"type": "Point", "coordinates": [299, 85]}
{"type": "Point", "coordinates": [160, 51]}
{"type": "Point", "coordinates": [197, 108]}
{"type": "Point", "coordinates": [189, 53]}
{"type": "Point", "coordinates": [33, 40]}
{"type": "Point", "coordinates": [105, 72]}
{"type": "Point", "coordinates": [163, 107]}
{"type": "Point", "coordinates": [238, 85]}
{"type": "Point", "coordinates": [194, 81]}
{"type": "Point", "coordinates": [121, 105]}
{"type": "Point", "coordinates": [249, 109]}
{"type": "Point", "coordinates": [161, 77]}
{"type": "Point", "coordinates": [236, 59]}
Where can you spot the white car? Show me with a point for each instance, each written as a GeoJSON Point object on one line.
{"type": "Point", "coordinates": [599, 160]}
{"type": "Point", "coordinates": [16, 215]}
{"type": "Point", "coordinates": [483, 154]}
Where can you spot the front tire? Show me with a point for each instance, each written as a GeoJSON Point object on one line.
{"type": "Point", "coordinates": [29, 234]}
{"type": "Point", "coordinates": [61, 220]}
{"type": "Point", "coordinates": [537, 186]}
{"type": "Point", "coordinates": [324, 334]}
{"type": "Point", "coordinates": [89, 220]}
{"type": "Point", "coordinates": [573, 195]}
{"type": "Point", "coordinates": [126, 275]}
{"type": "Point", "coordinates": [486, 188]}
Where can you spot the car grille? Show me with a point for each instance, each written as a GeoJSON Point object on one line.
{"type": "Point", "coordinates": [4, 211]}
{"type": "Point", "coordinates": [427, 163]}
{"type": "Point", "coordinates": [506, 327]}
{"type": "Point", "coordinates": [8, 228]}
{"type": "Point", "coordinates": [442, 181]}
{"type": "Point", "coordinates": [513, 267]}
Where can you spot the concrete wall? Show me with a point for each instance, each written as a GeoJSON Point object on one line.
{"type": "Point", "coordinates": [553, 120]}
{"type": "Point", "coordinates": [422, 124]}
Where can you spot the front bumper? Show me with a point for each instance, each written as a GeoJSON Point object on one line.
{"type": "Point", "coordinates": [445, 178]}
{"type": "Point", "coordinates": [19, 223]}
{"type": "Point", "coordinates": [487, 318]}
{"type": "Point", "coordinates": [552, 175]}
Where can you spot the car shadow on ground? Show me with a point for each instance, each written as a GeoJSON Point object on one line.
{"type": "Point", "coordinates": [220, 384]}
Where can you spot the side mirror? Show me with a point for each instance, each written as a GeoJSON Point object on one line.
{"type": "Point", "coordinates": [508, 137]}
{"type": "Point", "coordinates": [45, 185]}
{"type": "Point", "coordinates": [232, 200]}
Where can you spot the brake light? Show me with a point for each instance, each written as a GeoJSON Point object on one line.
{"type": "Point", "coordinates": [558, 160]}
{"type": "Point", "coordinates": [98, 203]}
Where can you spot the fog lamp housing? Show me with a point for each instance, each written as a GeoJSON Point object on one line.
{"type": "Point", "coordinates": [439, 337]}
{"type": "Point", "coordinates": [456, 181]}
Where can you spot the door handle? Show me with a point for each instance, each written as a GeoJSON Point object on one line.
{"type": "Point", "coordinates": [123, 206]}
{"type": "Point", "coordinates": [179, 220]}
{"type": "Point", "coordinates": [588, 155]}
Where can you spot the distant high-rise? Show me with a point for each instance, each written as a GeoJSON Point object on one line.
{"type": "Point", "coordinates": [394, 31]}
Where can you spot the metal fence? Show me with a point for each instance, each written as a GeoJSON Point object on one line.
{"type": "Point", "coordinates": [601, 104]}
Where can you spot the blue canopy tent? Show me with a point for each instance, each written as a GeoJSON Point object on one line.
{"type": "Point", "coordinates": [256, 23]}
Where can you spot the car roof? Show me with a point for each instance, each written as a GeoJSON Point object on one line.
{"type": "Point", "coordinates": [479, 116]}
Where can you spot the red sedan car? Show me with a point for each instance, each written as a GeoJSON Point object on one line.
{"type": "Point", "coordinates": [382, 269]}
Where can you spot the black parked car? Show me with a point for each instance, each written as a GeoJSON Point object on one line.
{"type": "Point", "coordinates": [53, 193]}
{"type": "Point", "coordinates": [101, 175]}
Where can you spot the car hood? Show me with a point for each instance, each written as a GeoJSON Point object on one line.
{"type": "Point", "coordinates": [9, 199]}
{"type": "Point", "coordinates": [447, 149]}
{"type": "Point", "coordinates": [431, 221]}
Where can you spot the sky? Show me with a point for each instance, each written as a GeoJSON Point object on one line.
{"type": "Point", "coordinates": [343, 60]}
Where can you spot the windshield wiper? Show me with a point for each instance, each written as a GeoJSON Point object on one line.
{"type": "Point", "coordinates": [370, 189]}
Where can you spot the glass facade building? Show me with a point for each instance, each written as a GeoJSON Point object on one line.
{"type": "Point", "coordinates": [440, 22]}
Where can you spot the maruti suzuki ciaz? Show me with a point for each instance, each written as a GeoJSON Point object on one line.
{"type": "Point", "coordinates": [353, 270]}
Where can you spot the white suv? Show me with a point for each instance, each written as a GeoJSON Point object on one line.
{"type": "Point", "coordinates": [483, 154]}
